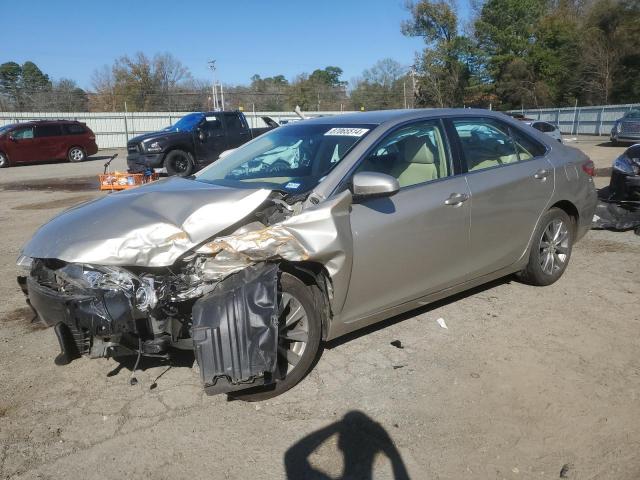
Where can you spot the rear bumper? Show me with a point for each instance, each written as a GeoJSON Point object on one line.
{"type": "Point", "coordinates": [138, 163]}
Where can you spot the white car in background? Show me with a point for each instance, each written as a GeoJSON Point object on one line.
{"type": "Point", "coordinates": [548, 128]}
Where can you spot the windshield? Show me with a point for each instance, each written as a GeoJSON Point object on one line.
{"type": "Point", "coordinates": [635, 114]}
{"type": "Point", "coordinates": [186, 123]}
{"type": "Point", "coordinates": [5, 128]}
{"type": "Point", "coordinates": [292, 159]}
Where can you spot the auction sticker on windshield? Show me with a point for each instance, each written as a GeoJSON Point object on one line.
{"type": "Point", "coordinates": [347, 132]}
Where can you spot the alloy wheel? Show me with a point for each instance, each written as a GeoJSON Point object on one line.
{"type": "Point", "coordinates": [76, 154]}
{"type": "Point", "coordinates": [554, 247]}
{"type": "Point", "coordinates": [4, 162]}
{"type": "Point", "coordinates": [293, 332]}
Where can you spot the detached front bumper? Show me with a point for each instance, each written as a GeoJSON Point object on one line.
{"type": "Point", "coordinates": [624, 187]}
{"type": "Point", "coordinates": [85, 324]}
{"type": "Point", "coordinates": [139, 163]}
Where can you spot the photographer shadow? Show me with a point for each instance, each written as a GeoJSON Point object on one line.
{"type": "Point", "coordinates": [360, 439]}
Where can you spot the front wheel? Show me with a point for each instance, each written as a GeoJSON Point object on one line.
{"type": "Point", "coordinates": [4, 161]}
{"type": "Point", "coordinates": [179, 163]}
{"type": "Point", "coordinates": [76, 154]}
{"type": "Point", "coordinates": [299, 334]}
{"type": "Point", "coordinates": [551, 249]}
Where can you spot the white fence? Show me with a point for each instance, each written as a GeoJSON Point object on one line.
{"type": "Point", "coordinates": [113, 129]}
{"type": "Point", "coordinates": [581, 120]}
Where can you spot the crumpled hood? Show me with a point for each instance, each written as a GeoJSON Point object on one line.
{"type": "Point", "coordinates": [151, 226]}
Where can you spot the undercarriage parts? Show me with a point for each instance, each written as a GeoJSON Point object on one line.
{"type": "Point", "coordinates": [235, 330]}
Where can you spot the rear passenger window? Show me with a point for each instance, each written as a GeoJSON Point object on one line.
{"type": "Point", "coordinates": [486, 143]}
{"type": "Point", "coordinates": [527, 146]}
{"type": "Point", "coordinates": [48, 131]}
{"type": "Point", "coordinates": [413, 154]}
{"type": "Point", "coordinates": [73, 129]}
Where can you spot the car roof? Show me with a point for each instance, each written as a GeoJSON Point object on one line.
{"type": "Point", "coordinates": [379, 117]}
{"type": "Point", "coordinates": [41, 122]}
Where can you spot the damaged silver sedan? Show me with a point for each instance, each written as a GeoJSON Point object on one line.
{"type": "Point", "coordinates": [256, 260]}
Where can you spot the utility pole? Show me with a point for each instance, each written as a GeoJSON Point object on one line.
{"type": "Point", "coordinates": [404, 92]}
{"type": "Point", "coordinates": [212, 67]}
{"type": "Point", "coordinates": [413, 85]}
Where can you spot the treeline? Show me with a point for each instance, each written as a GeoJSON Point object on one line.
{"type": "Point", "coordinates": [511, 54]}
{"type": "Point", "coordinates": [163, 83]}
{"type": "Point", "coordinates": [528, 53]}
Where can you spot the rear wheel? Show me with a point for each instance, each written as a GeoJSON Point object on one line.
{"type": "Point", "coordinates": [76, 154]}
{"type": "Point", "coordinates": [4, 161]}
{"type": "Point", "coordinates": [299, 334]}
{"type": "Point", "coordinates": [551, 249]}
{"type": "Point", "coordinates": [179, 163]}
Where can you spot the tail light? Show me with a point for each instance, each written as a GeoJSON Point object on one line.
{"type": "Point", "coordinates": [589, 168]}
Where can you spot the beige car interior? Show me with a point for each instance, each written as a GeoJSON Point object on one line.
{"type": "Point", "coordinates": [498, 149]}
{"type": "Point", "coordinates": [420, 158]}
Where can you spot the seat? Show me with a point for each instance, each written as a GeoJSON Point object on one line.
{"type": "Point", "coordinates": [417, 164]}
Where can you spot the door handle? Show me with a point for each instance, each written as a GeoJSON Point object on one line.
{"type": "Point", "coordinates": [456, 199]}
{"type": "Point", "coordinates": [541, 174]}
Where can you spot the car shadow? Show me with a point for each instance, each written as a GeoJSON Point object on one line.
{"type": "Point", "coordinates": [360, 440]}
{"type": "Point", "coordinates": [417, 311]}
{"type": "Point", "coordinates": [54, 162]}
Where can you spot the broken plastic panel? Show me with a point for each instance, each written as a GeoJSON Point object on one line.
{"type": "Point", "coordinates": [235, 330]}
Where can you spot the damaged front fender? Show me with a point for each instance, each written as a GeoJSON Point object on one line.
{"type": "Point", "coordinates": [321, 233]}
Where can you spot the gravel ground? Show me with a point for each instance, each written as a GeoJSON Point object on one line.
{"type": "Point", "coordinates": [524, 383]}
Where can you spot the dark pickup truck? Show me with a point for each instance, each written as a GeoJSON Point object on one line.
{"type": "Point", "coordinates": [196, 140]}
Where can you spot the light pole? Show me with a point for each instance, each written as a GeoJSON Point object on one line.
{"type": "Point", "coordinates": [212, 66]}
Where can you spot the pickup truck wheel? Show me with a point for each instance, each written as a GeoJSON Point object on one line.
{"type": "Point", "coordinates": [179, 162]}
{"type": "Point", "coordinates": [4, 161]}
{"type": "Point", "coordinates": [76, 154]}
{"type": "Point", "coordinates": [299, 334]}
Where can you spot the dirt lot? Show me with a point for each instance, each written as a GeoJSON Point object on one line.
{"type": "Point", "coordinates": [525, 383]}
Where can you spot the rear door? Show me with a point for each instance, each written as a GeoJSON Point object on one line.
{"type": "Point", "coordinates": [50, 141]}
{"type": "Point", "coordinates": [237, 130]}
{"type": "Point", "coordinates": [416, 241]}
{"type": "Point", "coordinates": [22, 145]}
{"type": "Point", "coordinates": [511, 183]}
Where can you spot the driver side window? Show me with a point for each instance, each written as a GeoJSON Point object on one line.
{"type": "Point", "coordinates": [413, 154]}
{"type": "Point", "coordinates": [23, 133]}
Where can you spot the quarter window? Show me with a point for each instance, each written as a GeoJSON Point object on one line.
{"type": "Point", "coordinates": [485, 143]}
{"type": "Point", "coordinates": [73, 129]}
{"type": "Point", "coordinates": [23, 133]}
{"type": "Point", "coordinates": [413, 154]}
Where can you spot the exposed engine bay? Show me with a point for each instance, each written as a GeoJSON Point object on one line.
{"type": "Point", "coordinates": [219, 298]}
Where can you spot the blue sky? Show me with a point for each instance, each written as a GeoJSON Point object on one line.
{"type": "Point", "coordinates": [268, 37]}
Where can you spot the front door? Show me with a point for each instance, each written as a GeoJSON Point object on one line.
{"type": "Point", "coordinates": [416, 241]}
{"type": "Point", "coordinates": [210, 138]}
{"type": "Point", "coordinates": [22, 146]}
{"type": "Point", "coordinates": [511, 183]}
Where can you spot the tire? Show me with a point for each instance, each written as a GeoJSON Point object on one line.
{"type": "Point", "coordinates": [179, 163]}
{"type": "Point", "coordinates": [291, 288]}
{"type": "Point", "coordinates": [4, 160]}
{"type": "Point", "coordinates": [76, 154]}
{"type": "Point", "coordinates": [550, 250]}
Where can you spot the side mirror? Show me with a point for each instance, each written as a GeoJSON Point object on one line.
{"type": "Point", "coordinates": [12, 138]}
{"type": "Point", "coordinates": [374, 185]}
{"type": "Point", "coordinates": [201, 135]}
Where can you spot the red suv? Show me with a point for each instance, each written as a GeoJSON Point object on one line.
{"type": "Point", "coordinates": [43, 140]}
